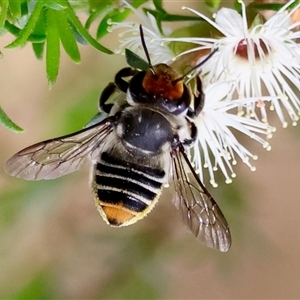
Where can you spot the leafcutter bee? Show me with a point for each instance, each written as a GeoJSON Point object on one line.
{"type": "Point", "coordinates": [135, 151]}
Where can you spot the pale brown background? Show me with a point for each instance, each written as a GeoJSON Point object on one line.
{"type": "Point", "coordinates": [64, 233]}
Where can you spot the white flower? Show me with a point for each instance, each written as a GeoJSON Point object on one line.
{"type": "Point", "coordinates": [262, 60]}
{"type": "Point", "coordinates": [130, 37]}
{"type": "Point", "coordinates": [217, 147]}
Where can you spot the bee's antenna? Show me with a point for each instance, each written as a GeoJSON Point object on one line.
{"type": "Point", "coordinates": [146, 50]}
{"type": "Point", "coordinates": [196, 67]}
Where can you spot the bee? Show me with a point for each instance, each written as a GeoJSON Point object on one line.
{"type": "Point", "coordinates": [135, 151]}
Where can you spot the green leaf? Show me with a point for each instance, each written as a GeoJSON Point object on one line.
{"type": "Point", "coordinates": [115, 15]}
{"type": "Point", "coordinates": [135, 61]}
{"type": "Point", "coordinates": [67, 37]}
{"type": "Point", "coordinates": [237, 6]}
{"type": "Point", "coordinates": [96, 5]}
{"type": "Point", "coordinates": [213, 4]}
{"type": "Point", "coordinates": [3, 15]}
{"type": "Point", "coordinates": [39, 31]}
{"type": "Point", "coordinates": [268, 6]}
{"type": "Point", "coordinates": [102, 7]}
{"type": "Point", "coordinates": [40, 26]}
{"type": "Point", "coordinates": [8, 123]}
{"type": "Point", "coordinates": [163, 16]}
{"type": "Point", "coordinates": [75, 21]}
{"type": "Point", "coordinates": [25, 32]}
{"type": "Point", "coordinates": [158, 6]}
{"type": "Point", "coordinates": [15, 8]}
{"type": "Point", "coordinates": [78, 37]}
{"type": "Point", "coordinates": [55, 5]}
{"type": "Point", "coordinates": [52, 50]}
{"type": "Point", "coordinates": [138, 3]}
{"type": "Point", "coordinates": [16, 32]}
{"type": "Point", "coordinates": [38, 49]}
{"type": "Point", "coordinates": [166, 17]}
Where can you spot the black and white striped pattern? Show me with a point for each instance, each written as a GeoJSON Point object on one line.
{"type": "Point", "coordinates": [132, 186]}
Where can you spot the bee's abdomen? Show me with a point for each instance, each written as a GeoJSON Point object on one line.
{"type": "Point", "coordinates": [125, 191]}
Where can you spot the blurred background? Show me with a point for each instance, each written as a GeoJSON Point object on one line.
{"type": "Point", "coordinates": [54, 243]}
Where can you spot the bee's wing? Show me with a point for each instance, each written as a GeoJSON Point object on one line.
{"type": "Point", "coordinates": [199, 210]}
{"type": "Point", "coordinates": [57, 157]}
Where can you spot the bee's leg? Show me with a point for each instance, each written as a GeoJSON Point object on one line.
{"type": "Point", "coordinates": [194, 133]}
{"type": "Point", "coordinates": [110, 89]}
{"type": "Point", "coordinates": [120, 82]}
{"type": "Point", "coordinates": [119, 85]}
{"type": "Point", "coordinates": [198, 100]}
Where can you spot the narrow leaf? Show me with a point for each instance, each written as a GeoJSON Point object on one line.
{"type": "Point", "coordinates": [268, 6]}
{"type": "Point", "coordinates": [52, 50]}
{"type": "Point", "coordinates": [158, 5]}
{"type": "Point", "coordinates": [137, 3]}
{"type": "Point", "coordinates": [3, 15]}
{"type": "Point", "coordinates": [25, 32]}
{"type": "Point", "coordinates": [15, 8]}
{"type": "Point", "coordinates": [55, 5]}
{"type": "Point", "coordinates": [95, 5]}
{"type": "Point", "coordinates": [38, 49]}
{"type": "Point", "coordinates": [78, 37]}
{"type": "Point", "coordinates": [135, 61]}
{"type": "Point", "coordinates": [115, 15]}
{"type": "Point", "coordinates": [74, 19]}
{"type": "Point", "coordinates": [40, 31]}
{"type": "Point", "coordinates": [67, 37]}
{"type": "Point", "coordinates": [161, 16]}
{"type": "Point", "coordinates": [34, 38]}
{"type": "Point", "coordinates": [170, 17]}
{"type": "Point", "coordinates": [8, 123]}
{"type": "Point", "coordinates": [104, 6]}
{"type": "Point", "coordinates": [213, 4]}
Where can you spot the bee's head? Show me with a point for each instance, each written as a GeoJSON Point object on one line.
{"type": "Point", "coordinates": [161, 85]}
{"type": "Point", "coordinates": [160, 80]}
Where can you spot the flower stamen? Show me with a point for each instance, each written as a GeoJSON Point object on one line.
{"type": "Point", "coordinates": [245, 44]}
